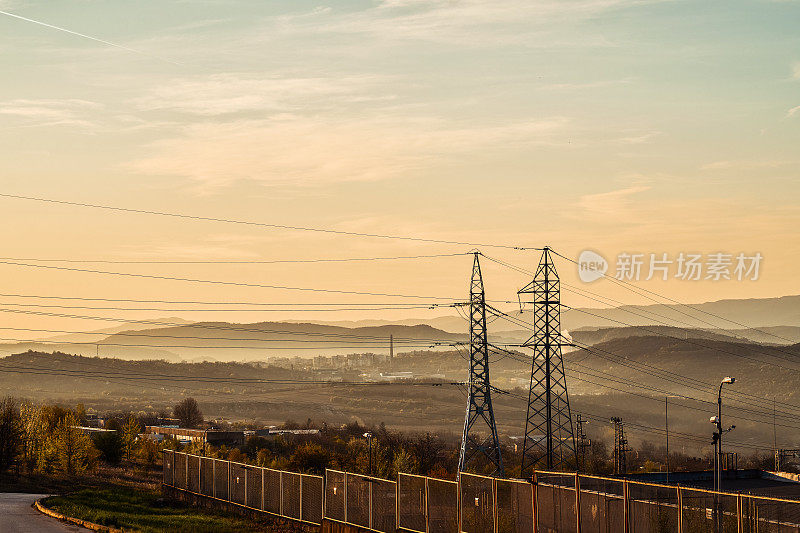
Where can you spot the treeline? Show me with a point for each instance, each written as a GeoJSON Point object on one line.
{"type": "Point", "coordinates": [48, 439]}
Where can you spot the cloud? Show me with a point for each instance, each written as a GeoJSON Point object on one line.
{"type": "Point", "coordinates": [610, 203]}
{"type": "Point", "coordinates": [50, 112]}
{"type": "Point", "coordinates": [741, 164]}
{"type": "Point", "coordinates": [221, 94]}
{"type": "Point", "coordinates": [796, 71]}
{"type": "Point", "coordinates": [464, 22]}
{"type": "Point", "coordinates": [793, 111]}
{"type": "Point", "coordinates": [290, 149]}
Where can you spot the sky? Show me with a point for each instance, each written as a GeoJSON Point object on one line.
{"type": "Point", "coordinates": [606, 125]}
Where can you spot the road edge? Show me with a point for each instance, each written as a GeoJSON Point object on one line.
{"type": "Point", "coordinates": [77, 521]}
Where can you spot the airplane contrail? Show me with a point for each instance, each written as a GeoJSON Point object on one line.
{"type": "Point", "coordinates": [109, 43]}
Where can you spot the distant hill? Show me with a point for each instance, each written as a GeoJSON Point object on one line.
{"type": "Point", "coordinates": [754, 312]}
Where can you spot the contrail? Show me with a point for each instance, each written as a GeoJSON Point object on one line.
{"type": "Point", "coordinates": [109, 43]}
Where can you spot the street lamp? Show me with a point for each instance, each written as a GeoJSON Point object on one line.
{"type": "Point", "coordinates": [368, 436]}
{"type": "Point", "coordinates": [718, 423]}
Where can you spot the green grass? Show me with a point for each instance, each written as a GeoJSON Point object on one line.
{"type": "Point", "coordinates": [144, 510]}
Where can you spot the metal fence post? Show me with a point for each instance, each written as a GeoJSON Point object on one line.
{"type": "Point", "coordinates": [577, 503]}
{"type": "Point", "coordinates": [739, 514]}
{"type": "Point", "coordinates": [345, 497]}
{"type": "Point", "coordinates": [214, 478]}
{"type": "Point", "coordinates": [460, 504]}
{"type": "Point", "coordinates": [369, 502]}
{"type": "Point", "coordinates": [494, 504]}
{"type": "Point", "coordinates": [680, 510]}
{"type": "Point", "coordinates": [173, 468]}
{"type": "Point", "coordinates": [280, 487]}
{"type": "Point", "coordinates": [199, 475]}
{"type": "Point", "coordinates": [535, 501]}
{"type": "Point", "coordinates": [625, 511]}
{"type": "Point", "coordinates": [301, 496]}
{"type": "Point", "coordinates": [427, 510]}
{"type": "Point", "coordinates": [229, 481]}
{"type": "Point", "coordinates": [186, 477]}
{"type": "Point", "coordinates": [245, 488]}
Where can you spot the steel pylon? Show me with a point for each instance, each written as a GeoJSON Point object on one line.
{"type": "Point", "coordinates": [479, 442]}
{"type": "Point", "coordinates": [549, 435]}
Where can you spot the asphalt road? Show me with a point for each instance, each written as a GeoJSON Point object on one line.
{"type": "Point", "coordinates": [17, 516]}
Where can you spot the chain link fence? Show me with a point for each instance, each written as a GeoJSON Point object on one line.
{"type": "Point", "coordinates": [363, 501]}
{"type": "Point", "coordinates": [287, 494]}
{"type": "Point", "coordinates": [551, 502]}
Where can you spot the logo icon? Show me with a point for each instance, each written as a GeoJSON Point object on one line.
{"type": "Point", "coordinates": [591, 266]}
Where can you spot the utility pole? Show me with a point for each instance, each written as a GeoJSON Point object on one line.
{"type": "Point", "coordinates": [620, 447]}
{"type": "Point", "coordinates": [583, 443]}
{"type": "Point", "coordinates": [479, 399]}
{"type": "Point", "coordinates": [391, 348]}
{"type": "Point", "coordinates": [549, 435]}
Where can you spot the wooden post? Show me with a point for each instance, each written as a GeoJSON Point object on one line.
{"type": "Point", "coordinates": [625, 502]}
{"type": "Point", "coordinates": [577, 503]}
{"type": "Point", "coordinates": [680, 510]}
{"type": "Point", "coordinates": [345, 497]}
{"type": "Point", "coordinates": [264, 488]}
{"type": "Point", "coordinates": [214, 477]}
{"type": "Point", "coordinates": [245, 488]}
{"type": "Point", "coordinates": [301, 496]}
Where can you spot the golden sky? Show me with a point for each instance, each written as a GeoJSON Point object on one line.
{"type": "Point", "coordinates": [617, 126]}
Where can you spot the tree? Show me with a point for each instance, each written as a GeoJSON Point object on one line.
{"type": "Point", "coordinates": [310, 457]}
{"type": "Point", "coordinates": [130, 432]}
{"type": "Point", "coordinates": [188, 413]}
{"type": "Point", "coordinates": [109, 444]}
{"type": "Point", "coordinates": [10, 432]}
{"type": "Point", "coordinates": [74, 449]}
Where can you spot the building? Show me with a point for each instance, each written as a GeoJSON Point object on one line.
{"type": "Point", "coordinates": [208, 436]}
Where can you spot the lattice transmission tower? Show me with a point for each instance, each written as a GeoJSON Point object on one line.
{"type": "Point", "coordinates": [549, 436]}
{"type": "Point", "coordinates": [479, 443]}
{"type": "Point", "coordinates": [620, 447]}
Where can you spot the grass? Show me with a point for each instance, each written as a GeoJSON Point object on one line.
{"type": "Point", "coordinates": [144, 510]}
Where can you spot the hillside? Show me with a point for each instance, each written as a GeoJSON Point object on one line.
{"type": "Point", "coordinates": [431, 402]}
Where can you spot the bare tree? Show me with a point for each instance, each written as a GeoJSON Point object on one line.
{"type": "Point", "coordinates": [188, 413]}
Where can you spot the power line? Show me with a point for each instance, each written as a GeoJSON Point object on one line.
{"type": "Point", "coordinates": [207, 310]}
{"type": "Point", "coordinates": [218, 282]}
{"type": "Point", "coordinates": [259, 224]}
{"type": "Point", "coordinates": [230, 262]}
{"type": "Point", "coordinates": [640, 290]}
{"type": "Point", "coordinates": [204, 302]}
{"type": "Point", "coordinates": [194, 325]}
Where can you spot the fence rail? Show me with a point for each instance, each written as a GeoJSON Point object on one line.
{"type": "Point", "coordinates": [551, 502]}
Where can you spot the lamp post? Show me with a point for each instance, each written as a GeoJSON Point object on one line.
{"type": "Point", "coordinates": [719, 430]}
{"type": "Point", "coordinates": [368, 436]}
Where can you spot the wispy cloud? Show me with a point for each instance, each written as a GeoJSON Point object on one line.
{"type": "Point", "coordinates": [466, 22]}
{"type": "Point", "coordinates": [612, 203]}
{"type": "Point", "coordinates": [793, 111]}
{"type": "Point", "coordinates": [796, 71]}
{"type": "Point", "coordinates": [221, 94]}
{"type": "Point", "coordinates": [50, 112]}
{"type": "Point", "coordinates": [741, 164]}
{"type": "Point", "coordinates": [291, 149]}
